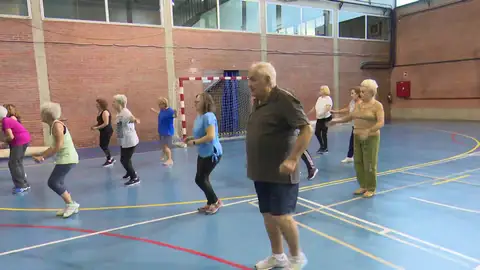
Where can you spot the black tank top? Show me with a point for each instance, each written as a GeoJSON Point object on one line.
{"type": "Point", "coordinates": [100, 121]}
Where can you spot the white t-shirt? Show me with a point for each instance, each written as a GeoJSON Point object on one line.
{"type": "Point", "coordinates": [320, 107]}
{"type": "Point", "coordinates": [126, 133]}
{"type": "Point", "coordinates": [351, 106]}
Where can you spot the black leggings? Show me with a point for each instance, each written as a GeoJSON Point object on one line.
{"type": "Point", "coordinates": [126, 160]}
{"type": "Point", "coordinates": [205, 166]}
{"type": "Point", "coordinates": [321, 131]}
{"type": "Point", "coordinates": [350, 146]}
{"type": "Point", "coordinates": [105, 136]}
{"type": "Point", "coordinates": [307, 159]}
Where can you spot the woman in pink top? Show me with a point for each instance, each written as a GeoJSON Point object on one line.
{"type": "Point", "coordinates": [18, 139]}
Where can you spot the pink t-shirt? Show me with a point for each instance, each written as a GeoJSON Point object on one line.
{"type": "Point", "coordinates": [20, 134]}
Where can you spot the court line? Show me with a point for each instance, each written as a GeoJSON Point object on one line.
{"type": "Point", "coordinates": [468, 183]}
{"type": "Point", "coordinates": [446, 205]}
{"type": "Point", "coordinates": [451, 180]}
{"type": "Point", "coordinates": [110, 230]}
{"type": "Point", "coordinates": [133, 238]}
{"type": "Point", "coordinates": [345, 244]}
{"type": "Point", "coordinates": [391, 190]}
{"type": "Point", "coordinates": [393, 231]}
{"type": "Point", "coordinates": [302, 189]}
{"type": "Point", "coordinates": [383, 232]}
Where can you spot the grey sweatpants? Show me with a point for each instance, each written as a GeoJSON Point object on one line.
{"type": "Point", "coordinates": [15, 164]}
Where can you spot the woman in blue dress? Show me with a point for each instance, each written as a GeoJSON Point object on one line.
{"type": "Point", "coordinates": [205, 137]}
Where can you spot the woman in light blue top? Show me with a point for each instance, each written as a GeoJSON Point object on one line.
{"type": "Point", "coordinates": [205, 137]}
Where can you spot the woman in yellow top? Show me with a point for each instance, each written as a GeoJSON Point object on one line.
{"type": "Point", "coordinates": [368, 118]}
{"type": "Point", "coordinates": [66, 156]}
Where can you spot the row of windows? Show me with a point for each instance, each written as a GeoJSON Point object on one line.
{"type": "Point", "coordinates": [240, 15]}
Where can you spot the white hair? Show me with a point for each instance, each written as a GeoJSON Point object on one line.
{"type": "Point", "coordinates": [51, 109]}
{"type": "Point", "coordinates": [121, 100]}
{"type": "Point", "coordinates": [371, 85]}
{"type": "Point", "coordinates": [3, 112]}
{"type": "Point", "coordinates": [265, 70]}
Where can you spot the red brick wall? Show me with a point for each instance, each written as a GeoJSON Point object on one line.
{"type": "Point", "coordinates": [441, 34]}
{"type": "Point", "coordinates": [18, 75]}
{"type": "Point", "coordinates": [87, 61]}
{"type": "Point", "coordinates": [300, 65]}
{"type": "Point", "coordinates": [354, 52]}
{"type": "Point", "coordinates": [90, 60]}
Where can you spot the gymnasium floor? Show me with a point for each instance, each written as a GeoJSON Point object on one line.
{"type": "Point", "coordinates": [425, 216]}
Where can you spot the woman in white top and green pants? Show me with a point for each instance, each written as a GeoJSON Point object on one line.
{"type": "Point", "coordinates": [66, 156]}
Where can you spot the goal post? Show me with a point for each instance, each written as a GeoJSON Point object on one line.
{"type": "Point", "coordinates": [232, 98]}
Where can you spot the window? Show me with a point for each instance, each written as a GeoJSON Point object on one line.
{"type": "Point", "coordinates": [138, 12]}
{"type": "Point", "coordinates": [14, 7]}
{"type": "Point", "coordinates": [195, 13]}
{"type": "Point", "coordinates": [293, 20]}
{"type": "Point", "coordinates": [91, 10]}
{"type": "Point", "coordinates": [284, 19]}
{"type": "Point", "coordinates": [351, 25]}
{"type": "Point", "coordinates": [405, 2]}
{"type": "Point", "coordinates": [239, 15]}
{"type": "Point", "coordinates": [378, 28]}
{"type": "Point", "coordinates": [317, 22]}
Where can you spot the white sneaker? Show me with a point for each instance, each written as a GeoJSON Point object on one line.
{"type": "Point", "coordinates": [347, 160]}
{"type": "Point", "coordinates": [274, 261]}
{"type": "Point", "coordinates": [71, 208]}
{"type": "Point", "coordinates": [298, 262]}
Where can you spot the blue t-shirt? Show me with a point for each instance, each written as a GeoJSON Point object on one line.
{"type": "Point", "coordinates": [213, 148]}
{"type": "Point", "coordinates": [165, 122]}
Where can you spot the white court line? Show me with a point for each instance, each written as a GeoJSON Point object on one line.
{"type": "Point", "coordinates": [385, 233]}
{"type": "Point", "coordinates": [447, 206]}
{"type": "Point", "coordinates": [394, 231]}
{"type": "Point", "coordinates": [109, 230]}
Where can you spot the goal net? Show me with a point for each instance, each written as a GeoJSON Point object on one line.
{"type": "Point", "coordinates": [233, 102]}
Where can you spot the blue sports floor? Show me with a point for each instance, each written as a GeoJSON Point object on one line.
{"type": "Point", "coordinates": [426, 214]}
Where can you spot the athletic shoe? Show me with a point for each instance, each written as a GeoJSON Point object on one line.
{"type": "Point", "coordinates": [274, 261]}
{"type": "Point", "coordinates": [109, 162]}
{"type": "Point", "coordinates": [132, 182]}
{"type": "Point", "coordinates": [69, 210]}
{"type": "Point", "coordinates": [312, 173]}
{"type": "Point", "coordinates": [298, 262]}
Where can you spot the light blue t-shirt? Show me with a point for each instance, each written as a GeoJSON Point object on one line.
{"type": "Point", "coordinates": [213, 148]}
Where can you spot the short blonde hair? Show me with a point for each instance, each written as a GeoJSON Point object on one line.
{"type": "Point", "coordinates": [370, 85]}
{"type": "Point", "coordinates": [266, 70]}
{"type": "Point", "coordinates": [163, 100]}
{"type": "Point", "coordinates": [121, 100]}
{"type": "Point", "coordinates": [51, 109]}
{"type": "Point", "coordinates": [324, 89]}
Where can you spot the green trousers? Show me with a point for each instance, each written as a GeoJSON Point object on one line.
{"type": "Point", "coordinates": [366, 160]}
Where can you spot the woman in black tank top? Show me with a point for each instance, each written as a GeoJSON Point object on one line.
{"type": "Point", "coordinates": [104, 125]}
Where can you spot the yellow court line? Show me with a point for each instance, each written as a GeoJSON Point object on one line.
{"type": "Point", "coordinates": [451, 179]}
{"type": "Point", "coordinates": [302, 189]}
{"type": "Point", "coordinates": [354, 248]}
{"type": "Point", "coordinates": [345, 244]}
{"type": "Point", "coordinates": [383, 232]}
{"type": "Point", "coordinates": [447, 206]}
{"type": "Point", "coordinates": [389, 230]}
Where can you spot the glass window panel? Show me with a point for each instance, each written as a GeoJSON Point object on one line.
{"type": "Point", "coordinates": [195, 13]}
{"type": "Point", "coordinates": [90, 10]}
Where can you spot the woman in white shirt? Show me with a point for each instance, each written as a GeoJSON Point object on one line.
{"type": "Point", "coordinates": [127, 137]}
{"type": "Point", "coordinates": [355, 94]}
{"type": "Point", "coordinates": [322, 110]}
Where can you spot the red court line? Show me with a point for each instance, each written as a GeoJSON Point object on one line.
{"type": "Point", "coordinates": [454, 139]}
{"type": "Point", "coordinates": [144, 240]}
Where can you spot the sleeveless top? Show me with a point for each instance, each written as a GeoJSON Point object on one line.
{"type": "Point", "coordinates": [67, 154]}
{"type": "Point", "coordinates": [100, 121]}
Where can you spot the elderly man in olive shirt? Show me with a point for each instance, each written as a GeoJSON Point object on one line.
{"type": "Point", "coordinates": [273, 151]}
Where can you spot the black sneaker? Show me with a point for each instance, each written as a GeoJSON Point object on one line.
{"type": "Point", "coordinates": [312, 173]}
{"type": "Point", "coordinates": [109, 162]}
{"type": "Point", "coordinates": [133, 182]}
{"type": "Point", "coordinates": [126, 176]}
